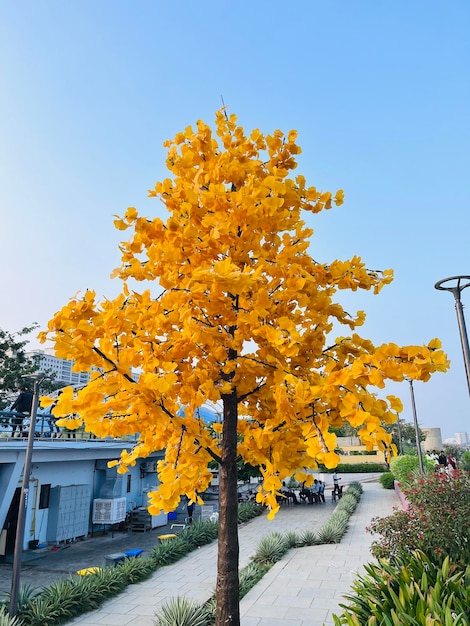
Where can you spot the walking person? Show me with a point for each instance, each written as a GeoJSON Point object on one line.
{"type": "Point", "coordinates": [190, 509]}
{"type": "Point", "coordinates": [22, 405]}
{"type": "Point", "coordinates": [336, 480]}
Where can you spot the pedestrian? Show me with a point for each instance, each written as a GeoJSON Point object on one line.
{"type": "Point", "coordinates": [22, 405]}
{"type": "Point", "coordinates": [190, 509]}
{"type": "Point", "coordinates": [336, 480]}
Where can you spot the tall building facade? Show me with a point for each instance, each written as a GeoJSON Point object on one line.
{"type": "Point", "coordinates": [462, 438]}
{"type": "Point", "coordinates": [60, 369]}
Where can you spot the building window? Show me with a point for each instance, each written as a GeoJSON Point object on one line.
{"type": "Point", "coordinates": [129, 480]}
{"type": "Point", "coordinates": [44, 496]}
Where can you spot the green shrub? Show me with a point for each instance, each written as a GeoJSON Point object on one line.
{"type": "Point", "coordinates": [387, 480]}
{"type": "Point", "coordinates": [437, 520]}
{"type": "Point", "coordinates": [356, 468]}
{"type": "Point", "coordinates": [406, 468]}
{"type": "Point", "coordinates": [411, 591]}
{"type": "Point", "coordinates": [465, 461]}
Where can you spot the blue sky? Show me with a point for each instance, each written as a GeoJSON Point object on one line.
{"type": "Point", "coordinates": [380, 95]}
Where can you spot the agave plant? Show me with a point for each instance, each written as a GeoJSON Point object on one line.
{"type": "Point", "coordinates": [270, 549]}
{"type": "Point", "coordinates": [182, 612]}
{"type": "Point", "coordinates": [332, 531]}
{"type": "Point", "coordinates": [347, 503]}
{"type": "Point", "coordinates": [308, 538]}
{"type": "Point", "coordinates": [340, 515]}
{"type": "Point", "coordinates": [292, 539]}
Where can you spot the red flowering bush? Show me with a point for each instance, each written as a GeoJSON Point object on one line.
{"type": "Point", "coordinates": [436, 522]}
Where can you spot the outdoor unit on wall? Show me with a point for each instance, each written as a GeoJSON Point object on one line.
{"type": "Point", "coordinates": [109, 510]}
{"type": "Point", "coordinates": [149, 467]}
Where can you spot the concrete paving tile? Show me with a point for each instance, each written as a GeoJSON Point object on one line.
{"type": "Point", "coordinates": [300, 602]}
{"type": "Point", "coordinates": [280, 622]}
{"type": "Point", "coordinates": [265, 611]}
{"type": "Point", "coordinates": [115, 619]}
{"type": "Point", "coordinates": [250, 621]}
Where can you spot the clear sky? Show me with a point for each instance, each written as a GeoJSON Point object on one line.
{"type": "Point", "coordinates": [380, 95]}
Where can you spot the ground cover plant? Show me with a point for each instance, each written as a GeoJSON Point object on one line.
{"type": "Point", "coordinates": [405, 468]}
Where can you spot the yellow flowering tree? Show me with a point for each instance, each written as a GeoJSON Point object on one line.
{"type": "Point", "coordinates": [234, 310]}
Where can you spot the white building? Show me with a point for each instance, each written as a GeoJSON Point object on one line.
{"type": "Point", "coordinates": [61, 369]}
{"type": "Point", "coordinates": [462, 438]}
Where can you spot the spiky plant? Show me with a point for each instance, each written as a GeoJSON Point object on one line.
{"type": "Point", "coordinates": [167, 553]}
{"type": "Point", "coordinates": [340, 516]}
{"type": "Point", "coordinates": [182, 612]}
{"type": "Point", "coordinates": [247, 511]}
{"type": "Point", "coordinates": [25, 594]}
{"type": "Point", "coordinates": [308, 538]}
{"type": "Point", "coordinates": [293, 539]}
{"type": "Point", "coordinates": [270, 549]}
{"type": "Point", "coordinates": [332, 531]}
{"type": "Point", "coordinates": [200, 533]}
{"type": "Point", "coordinates": [411, 590]}
{"type": "Point", "coordinates": [135, 569]}
{"type": "Point", "coordinates": [347, 503]}
{"type": "Point", "coordinates": [6, 620]}
{"type": "Point", "coordinates": [250, 575]}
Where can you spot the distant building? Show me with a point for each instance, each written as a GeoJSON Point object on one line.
{"type": "Point", "coordinates": [433, 439]}
{"type": "Point", "coordinates": [61, 369]}
{"type": "Point", "coordinates": [462, 439]}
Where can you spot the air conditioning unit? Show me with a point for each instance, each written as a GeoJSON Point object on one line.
{"type": "Point", "coordinates": [149, 467]}
{"type": "Point", "coordinates": [109, 510]}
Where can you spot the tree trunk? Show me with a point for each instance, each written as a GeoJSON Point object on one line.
{"type": "Point", "coordinates": [227, 590]}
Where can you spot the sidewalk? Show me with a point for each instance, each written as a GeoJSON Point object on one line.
{"type": "Point", "coordinates": [304, 589]}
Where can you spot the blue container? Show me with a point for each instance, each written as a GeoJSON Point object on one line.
{"type": "Point", "coordinates": [172, 516]}
{"type": "Point", "coordinates": [136, 552]}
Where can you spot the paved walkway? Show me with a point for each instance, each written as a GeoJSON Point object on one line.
{"type": "Point", "coordinates": [304, 589]}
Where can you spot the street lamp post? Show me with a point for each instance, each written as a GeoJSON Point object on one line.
{"type": "Point", "coordinates": [418, 435]}
{"type": "Point", "coordinates": [456, 290]}
{"type": "Point", "coordinates": [20, 524]}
